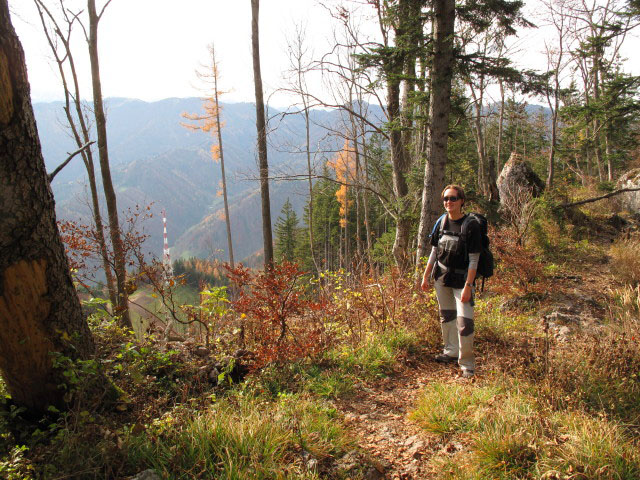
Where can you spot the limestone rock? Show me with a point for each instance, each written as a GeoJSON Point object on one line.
{"type": "Point", "coordinates": [147, 475]}
{"type": "Point", "coordinates": [517, 174]}
{"type": "Point", "coordinates": [630, 200]}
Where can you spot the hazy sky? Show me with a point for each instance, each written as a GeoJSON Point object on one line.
{"type": "Point", "coordinates": [149, 49]}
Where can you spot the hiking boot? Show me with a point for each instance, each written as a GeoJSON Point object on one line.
{"type": "Point", "coordinates": [442, 358]}
{"type": "Point", "coordinates": [468, 374]}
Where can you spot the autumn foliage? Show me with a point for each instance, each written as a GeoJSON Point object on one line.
{"type": "Point", "coordinates": [279, 321]}
{"type": "Point", "coordinates": [344, 165]}
{"type": "Point", "coordinates": [82, 245]}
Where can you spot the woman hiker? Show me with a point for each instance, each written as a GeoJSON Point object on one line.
{"type": "Point", "coordinates": [451, 269]}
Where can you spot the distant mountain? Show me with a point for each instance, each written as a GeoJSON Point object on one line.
{"type": "Point", "coordinates": [154, 159]}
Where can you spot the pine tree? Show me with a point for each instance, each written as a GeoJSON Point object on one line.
{"type": "Point", "coordinates": [286, 230]}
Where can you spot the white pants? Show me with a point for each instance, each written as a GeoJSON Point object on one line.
{"type": "Point", "coordinates": [458, 335]}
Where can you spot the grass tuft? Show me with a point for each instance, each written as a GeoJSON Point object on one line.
{"type": "Point", "coordinates": [242, 437]}
{"type": "Point", "coordinates": [510, 434]}
{"type": "Point", "coordinates": [625, 262]}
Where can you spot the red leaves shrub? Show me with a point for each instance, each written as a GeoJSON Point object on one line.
{"type": "Point", "coordinates": [517, 268]}
{"type": "Point", "coordinates": [279, 322]}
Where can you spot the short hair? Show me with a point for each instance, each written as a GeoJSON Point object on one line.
{"type": "Point", "coordinates": [457, 188]}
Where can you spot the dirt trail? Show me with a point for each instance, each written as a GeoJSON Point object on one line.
{"type": "Point", "coordinates": [378, 414]}
{"type": "Point", "coordinates": [378, 411]}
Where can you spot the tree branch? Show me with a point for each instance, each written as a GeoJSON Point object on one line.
{"type": "Point", "coordinates": [64, 164]}
{"type": "Point", "coordinates": [595, 199]}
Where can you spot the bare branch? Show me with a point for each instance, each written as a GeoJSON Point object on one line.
{"type": "Point", "coordinates": [66, 162]}
{"type": "Point", "coordinates": [595, 199]}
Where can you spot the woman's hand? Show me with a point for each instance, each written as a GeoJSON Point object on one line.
{"type": "Point", "coordinates": [466, 293]}
{"type": "Point", "coordinates": [426, 282]}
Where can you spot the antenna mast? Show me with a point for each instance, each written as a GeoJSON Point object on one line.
{"type": "Point", "coordinates": [166, 256]}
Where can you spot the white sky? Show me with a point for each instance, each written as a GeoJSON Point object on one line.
{"type": "Point", "coordinates": [149, 49]}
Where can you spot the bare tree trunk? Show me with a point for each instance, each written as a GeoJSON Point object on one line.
{"type": "Point", "coordinates": [440, 108]}
{"type": "Point", "coordinates": [358, 189]}
{"type": "Point", "coordinates": [365, 201]}
{"type": "Point", "coordinates": [552, 150]}
{"type": "Point", "coordinates": [109, 191]}
{"type": "Point", "coordinates": [400, 188]}
{"type": "Point", "coordinates": [607, 145]}
{"type": "Point", "coordinates": [224, 177]}
{"type": "Point", "coordinates": [310, 182]}
{"type": "Point", "coordinates": [39, 309]}
{"type": "Point", "coordinates": [262, 138]}
{"type": "Point", "coordinates": [500, 127]}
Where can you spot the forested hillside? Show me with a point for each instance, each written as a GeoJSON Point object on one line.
{"type": "Point", "coordinates": [424, 266]}
{"type": "Point", "coordinates": [158, 161]}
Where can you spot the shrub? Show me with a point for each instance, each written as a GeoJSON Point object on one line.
{"type": "Point", "coordinates": [279, 322]}
{"type": "Point", "coordinates": [518, 269]}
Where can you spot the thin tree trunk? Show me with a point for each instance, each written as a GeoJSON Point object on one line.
{"type": "Point", "coordinates": [552, 150]}
{"type": "Point", "coordinates": [400, 187]}
{"type": "Point", "coordinates": [500, 127]}
{"type": "Point", "coordinates": [262, 138]}
{"type": "Point", "coordinates": [358, 188]}
{"type": "Point", "coordinates": [39, 309]}
{"type": "Point", "coordinates": [224, 177]}
{"type": "Point", "coordinates": [109, 191]}
{"type": "Point", "coordinates": [365, 199]}
{"type": "Point", "coordinates": [607, 145]}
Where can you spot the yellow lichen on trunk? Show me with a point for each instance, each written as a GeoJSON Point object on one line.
{"type": "Point", "coordinates": [25, 359]}
{"type": "Point", "coordinates": [6, 91]}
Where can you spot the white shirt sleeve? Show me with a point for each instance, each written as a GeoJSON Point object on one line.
{"type": "Point", "coordinates": [474, 258]}
{"type": "Point", "coordinates": [432, 256]}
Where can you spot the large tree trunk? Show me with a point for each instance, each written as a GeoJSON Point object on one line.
{"type": "Point", "coordinates": [440, 107]}
{"type": "Point", "coordinates": [400, 69]}
{"type": "Point", "coordinates": [109, 192]}
{"type": "Point", "coordinates": [39, 309]}
{"type": "Point", "coordinates": [262, 138]}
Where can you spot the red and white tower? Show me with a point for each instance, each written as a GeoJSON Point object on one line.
{"type": "Point", "coordinates": [166, 256]}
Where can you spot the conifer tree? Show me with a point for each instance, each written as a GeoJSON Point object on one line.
{"type": "Point", "coordinates": [210, 122]}
{"type": "Point", "coordinates": [286, 229]}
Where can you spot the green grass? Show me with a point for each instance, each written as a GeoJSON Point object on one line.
{"type": "Point", "coordinates": [491, 321]}
{"type": "Point", "coordinates": [241, 437]}
{"type": "Point", "coordinates": [509, 433]}
{"type": "Point", "coordinates": [446, 409]}
{"type": "Point", "coordinates": [377, 356]}
{"type": "Point", "coordinates": [335, 373]}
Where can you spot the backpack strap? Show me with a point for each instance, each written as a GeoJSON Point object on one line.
{"type": "Point", "coordinates": [438, 225]}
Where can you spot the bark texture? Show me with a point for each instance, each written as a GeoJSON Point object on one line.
{"type": "Point", "coordinates": [39, 309]}
{"type": "Point", "coordinates": [440, 108]}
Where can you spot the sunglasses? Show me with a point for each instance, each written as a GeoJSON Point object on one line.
{"type": "Point", "coordinates": [450, 199]}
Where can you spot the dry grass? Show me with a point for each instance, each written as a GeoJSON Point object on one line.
{"type": "Point", "coordinates": [625, 261]}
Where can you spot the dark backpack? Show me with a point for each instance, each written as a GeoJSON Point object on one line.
{"type": "Point", "coordinates": [485, 263]}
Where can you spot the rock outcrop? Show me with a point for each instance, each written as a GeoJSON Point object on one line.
{"type": "Point", "coordinates": [630, 200]}
{"type": "Point", "coordinates": [518, 176]}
